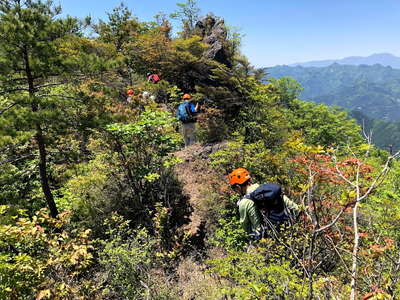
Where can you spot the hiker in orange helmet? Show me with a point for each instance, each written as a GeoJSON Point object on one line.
{"type": "Point", "coordinates": [186, 114]}
{"type": "Point", "coordinates": [250, 215]}
{"type": "Point", "coordinates": [239, 176]}
{"type": "Point", "coordinates": [260, 205]}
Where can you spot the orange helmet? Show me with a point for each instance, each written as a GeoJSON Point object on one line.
{"type": "Point", "coordinates": [187, 96]}
{"type": "Point", "coordinates": [238, 176]}
{"type": "Point", "coordinates": [130, 92]}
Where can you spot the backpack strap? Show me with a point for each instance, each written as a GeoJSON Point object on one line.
{"type": "Point", "coordinates": [187, 108]}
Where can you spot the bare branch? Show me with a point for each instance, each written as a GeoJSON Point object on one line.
{"type": "Point", "coordinates": [333, 221]}
{"type": "Point", "coordinates": [338, 253]}
{"type": "Point", "coordinates": [337, 216]}
{"type": "Point", "coordinates": [353, 283]}
{"type": "Point", "coordinates": [367, 136]}
{"type": "Point", "coordinates": [340, 172]}
{"type": "Point", "coordinates": [379, 179]}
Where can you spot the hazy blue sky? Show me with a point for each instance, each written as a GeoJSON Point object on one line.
{"type": "Point", "coordinates": [284, 31]}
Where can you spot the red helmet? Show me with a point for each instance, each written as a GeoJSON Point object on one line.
{"type": "Point", "coordinates": [238, 176]}
{"type": "Point", "coordinates": [187, 96]}
{"type": "Point", "coordinates": [130, 92]}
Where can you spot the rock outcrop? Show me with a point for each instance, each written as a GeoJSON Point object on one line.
{"type": "Point", "coordinates": [214, 33]}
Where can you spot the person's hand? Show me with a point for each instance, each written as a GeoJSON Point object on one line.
{"type": "Point", "coordinates": [255, 236]}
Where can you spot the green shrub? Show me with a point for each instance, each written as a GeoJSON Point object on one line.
{"type": "Point", "coordinates": [126, 258]}
{"type": "Point", "coordinates": [248, 276]}
{"type": "Point", "coordinates": [230, 235]}
{"type": "Point", "coordinates": [38, 258]}
{"type": "Point", "coordinates": [129, 173]}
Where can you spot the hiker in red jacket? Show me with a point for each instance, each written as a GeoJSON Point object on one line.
{"type": "Point", "coordinates": [153, 78]}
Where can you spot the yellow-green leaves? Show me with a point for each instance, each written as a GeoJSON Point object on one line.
{"type": "Point", "coordinates": [32, 250]}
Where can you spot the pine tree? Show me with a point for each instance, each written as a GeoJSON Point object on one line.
{"type": "Point", "coordinates": [31, 63]}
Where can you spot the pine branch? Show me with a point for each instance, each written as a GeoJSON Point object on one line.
{"type": "Point", "coordinates": [49, 85]}
{"type": "Point", "coordinates": [7, 108]}
{"type": "Point", "coordinates": [16, 159]}
{"type": "Point", "coordinates": [58, 95]}
{"type": "Point", "coordinates": [4, 92]}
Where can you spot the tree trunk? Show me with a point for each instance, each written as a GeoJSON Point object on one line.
{"type": "Point", "coordinates": [40, 141]}
{"type": "Point", "coordinates": [355, 253]}
{"type": "Point", "coordinates": [43, 172]}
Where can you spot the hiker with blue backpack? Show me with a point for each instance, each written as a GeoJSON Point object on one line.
{"type": "Point", "coordinates": [186, 114]}
{"type": "Point", "coordinates": [262, 208]}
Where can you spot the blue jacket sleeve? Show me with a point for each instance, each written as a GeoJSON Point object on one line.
{"type": "Point", "coordinates": [192, 108]}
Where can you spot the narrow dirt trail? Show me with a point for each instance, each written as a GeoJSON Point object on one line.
{"type": "Point", "coordinates": [198, 179]}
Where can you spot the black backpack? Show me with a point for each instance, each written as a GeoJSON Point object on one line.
{"type": "Point", "coordinates": [268, 196]}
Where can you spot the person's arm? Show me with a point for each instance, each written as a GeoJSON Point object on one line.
{"type": "Point", "coordinates": [254, 217]}
{"type": "Point", "coordinates": [250, 219]}
{"type": "Point", "coordinates": [193, 108]}
{"type": "Point", "coordinates": [290, 204]}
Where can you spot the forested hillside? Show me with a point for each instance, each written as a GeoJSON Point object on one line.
{"type": "Point", "coordinates": [386, 135]}
{"type": "Point", "coordinates": [369, 91]}
{"type": "Point", "coordinates": [99, 198]}
{"type": "Point", "coordinates": [374, 90]}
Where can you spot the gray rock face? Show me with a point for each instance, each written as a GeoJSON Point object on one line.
{"type": "Point", "coordinates": [214, 34]}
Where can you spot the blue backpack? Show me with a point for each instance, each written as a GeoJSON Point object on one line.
{"type": "Point", "coordinates": [184, 114]}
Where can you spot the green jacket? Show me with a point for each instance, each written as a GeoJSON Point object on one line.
{"type": "Point", "coordinates": [250, 216]}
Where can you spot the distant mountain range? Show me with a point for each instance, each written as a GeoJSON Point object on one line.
{"type": "Point", "coordinates": [384, 59]}
{"type": "Point", "coordinates": [374, 90]}
{"type": "Point", "coordinates": [370, 93]}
